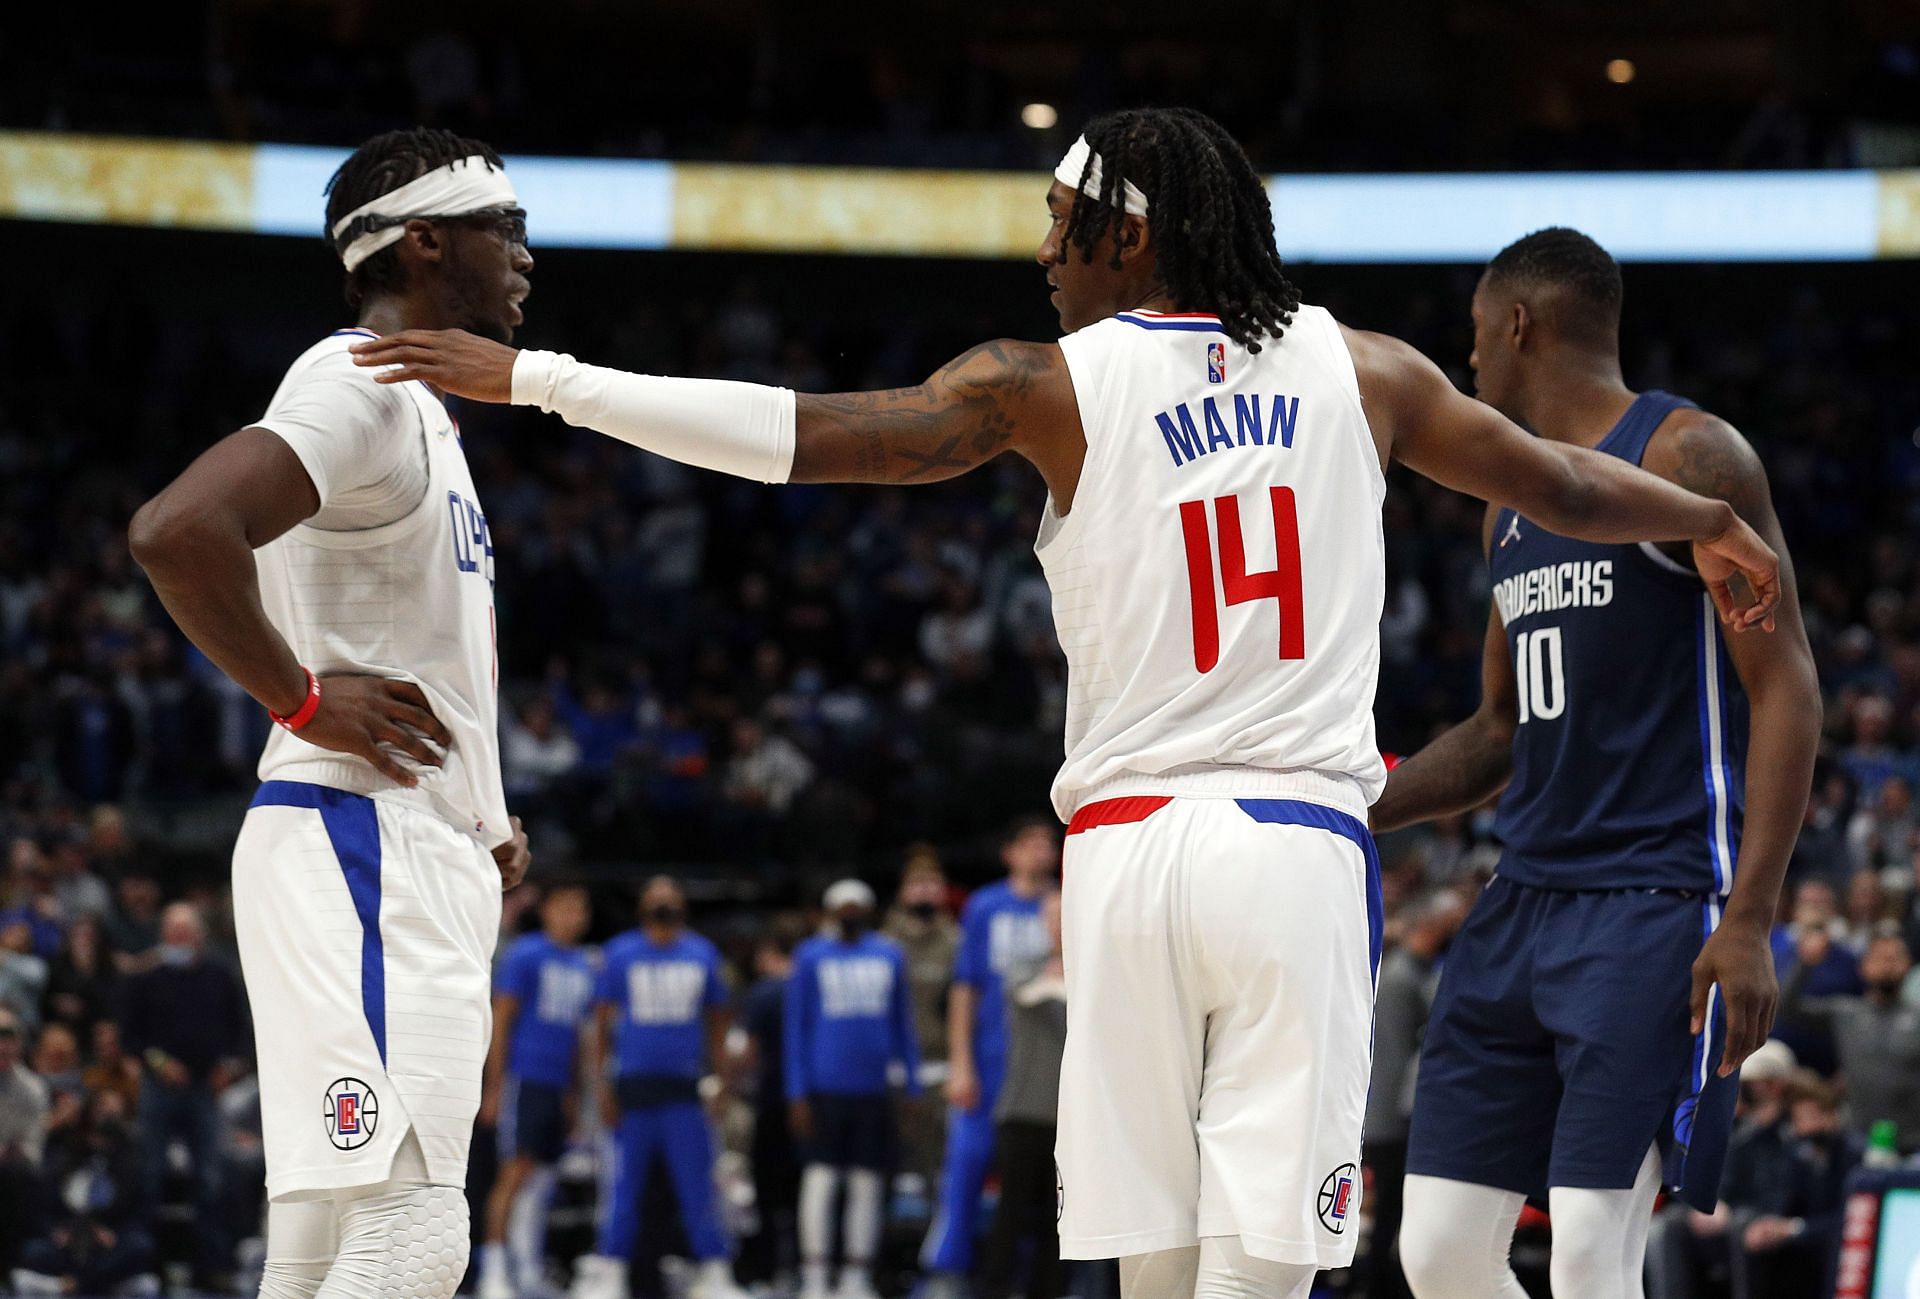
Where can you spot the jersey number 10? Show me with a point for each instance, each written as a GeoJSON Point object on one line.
{"type": "Point", "coordinates": [1540, 674]}
{"type": "Point", "coordinates": [1280, 583]}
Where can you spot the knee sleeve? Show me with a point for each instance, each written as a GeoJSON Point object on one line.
{"type": "Point", "coordinates": [301, 1241]}
{"type": "Point", "coordinates": [405, 1238]}
{"type": "Point", "coordinates": [1163, 1274]}
{"type": "Point", "coordinates": [408, 1242]}
{"type": "Point", "coordinates": [1227, 1271]}
{"type": "Point", "coordinates": [1455, 1238]}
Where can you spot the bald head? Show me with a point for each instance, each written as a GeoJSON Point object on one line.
{"type": "Point", "coordinates": [181, 926]}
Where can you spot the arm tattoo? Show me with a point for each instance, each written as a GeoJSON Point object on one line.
{"type": "Point", "coordinates": [968, 412]}
{"type": "Point", "coordinates": [1713, 460]}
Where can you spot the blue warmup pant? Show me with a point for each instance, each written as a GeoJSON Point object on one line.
{"type": "Point", "coordinates": [956, 1220]}
{"type": "Point", "coordinates": [679, 1134]}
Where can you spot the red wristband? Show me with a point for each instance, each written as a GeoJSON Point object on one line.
{"type": "Point", "coordinates": [304, 713]}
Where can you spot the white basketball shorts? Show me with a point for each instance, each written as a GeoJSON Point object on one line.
{"type": "Point", "coordinates": [366, 929]}
{"type": "Point", "coordinates": [1220, 960]}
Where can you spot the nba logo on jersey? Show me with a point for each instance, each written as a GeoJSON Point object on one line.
{"type": "Point", "coordinates": [1216, 362]}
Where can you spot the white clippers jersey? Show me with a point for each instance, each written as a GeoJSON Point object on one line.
{"type": "Point", "coordinates": [411, 599]}
{"type": "Point", "coordinates": [1218, 584]}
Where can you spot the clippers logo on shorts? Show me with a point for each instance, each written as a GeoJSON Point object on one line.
{"type": "Point", "coordinates": [1216, 362]}
{"type": "Point", "coordinates": [352, 1112]}
{"type": "Point", "coordinates": [1059, 1194]}
{"type": "Point", "coordinates": [1336, 1197]}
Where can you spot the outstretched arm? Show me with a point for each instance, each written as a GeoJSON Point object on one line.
{"type": "Point", "coordinates": [1469, 763]}
{"type": "Point", "coordinates": [1000, 396]}
{"type": "Point", "coordinates": [1422, 420]}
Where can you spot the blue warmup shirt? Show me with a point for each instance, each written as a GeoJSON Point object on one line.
{"type": "Point", "coordinates": [1630, 757]}
{"type": "Point", "coordinates": [553, 985]}
{"type": "Point", "coordinates": [998, 931]}
{"type": "Point", "coordinates": [848, 1016]}
{"type": "Point", "coordinates": [661, 995]}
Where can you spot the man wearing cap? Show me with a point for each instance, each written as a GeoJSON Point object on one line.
{"type": "Point", "coordinates": [849, 1025]}
{"type": "Point", "coordinates": [332, 558]}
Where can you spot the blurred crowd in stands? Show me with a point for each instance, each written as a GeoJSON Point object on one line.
{"type": "Point", "coordinates": [770, 689]}
{"type": "Point", "coordinates": [1392, 85]}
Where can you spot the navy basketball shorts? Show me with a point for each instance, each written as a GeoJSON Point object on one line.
{"type": "Point", "coordinates": [1559, 1047]}
{"type": "Point", "coordinates": [533, 1121]}
{"type": "Point", "coordinates": [851, 1131]}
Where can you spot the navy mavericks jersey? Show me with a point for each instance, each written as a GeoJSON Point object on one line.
{"type": "Point", "coordinates": [1629, 758]}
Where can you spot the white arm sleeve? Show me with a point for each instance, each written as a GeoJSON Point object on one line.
{"type": "Point", "coordinates": [743, 429]}
{"type": "Point", "coordinates": [362, 443]}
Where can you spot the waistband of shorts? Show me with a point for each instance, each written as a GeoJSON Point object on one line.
{"type": "Point", "coordinates": [1329, 789]}
{"type": "Point", "coordinates": [358, 778]}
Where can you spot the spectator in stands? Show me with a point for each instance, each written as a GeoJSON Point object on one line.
{"type": "Point", "coordinates": [535, 750]}
{"type": "Point", "coordinates": [1877, 1038]}
{"type": "Point", "coordinates": [849, 1024]}
{"type": "Point", "coordinates": [93, 1234]}
{"type": "Point", "coordinates": [767, 772]}
{"type": "Point", "coordinates": [1872, 759]}
{"type": "Point", "coordinates": [771, 1253]}
{"type": "Point", "coordinates": [1837, 972]}
{"type": "Point", "coordinates": [23, 973]}
{"type": "Point", "coordinates": [1026, 1120]}
{"type": "Point", "coordinates": [83, 983]}
{"type": "Point", "coordinates": [185, 1020]}
{"type": "Point", "coordinates": [1409, 974]}
{"type": "Point", "coordinates": [27, 898]}
{"type": "Point", "coordinates": [1884, 835]}
{"type": "Point", "coordinates": [134, 926]}
{"type": "Point", "coordinates": [1866, 909]}
{"type": "Point", "coordinates": [76, 889]}
{"type": "Point", "coordinates": [23, 1138]}
{"type": "Point", "coordinates": [112, 1068]}
{"type": "Point", "coordinates": [56, 1060]}
{"type": "Point", "coordinates": [1821, 850]}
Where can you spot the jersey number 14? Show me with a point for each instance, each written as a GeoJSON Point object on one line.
{"type": "Point", "coordinates": [1281, 583]}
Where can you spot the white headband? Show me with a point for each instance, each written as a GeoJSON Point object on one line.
{"type": "Point", "coordinates": [1071, 166]}
{"type": "Point", "coordinates": [462, 186]}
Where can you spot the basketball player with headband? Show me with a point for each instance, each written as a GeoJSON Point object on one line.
{"type": "Point", "coordinates": [333, 559]}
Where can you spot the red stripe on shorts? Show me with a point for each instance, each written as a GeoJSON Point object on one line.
{"type": "Point", "coordinates": [1115, 811]}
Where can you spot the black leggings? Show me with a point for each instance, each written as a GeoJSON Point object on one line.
{"type": "Point", "coordinates": [1028, 1211]}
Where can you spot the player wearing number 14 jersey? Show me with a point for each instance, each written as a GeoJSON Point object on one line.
{"type": "Point", "coordinates": [1213, 452]}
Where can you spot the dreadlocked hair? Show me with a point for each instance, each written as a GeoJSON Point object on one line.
{"type": "Point", "coordinates": [380, 166]}
{"type": "Point", "coordinates": [1212, 223]}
